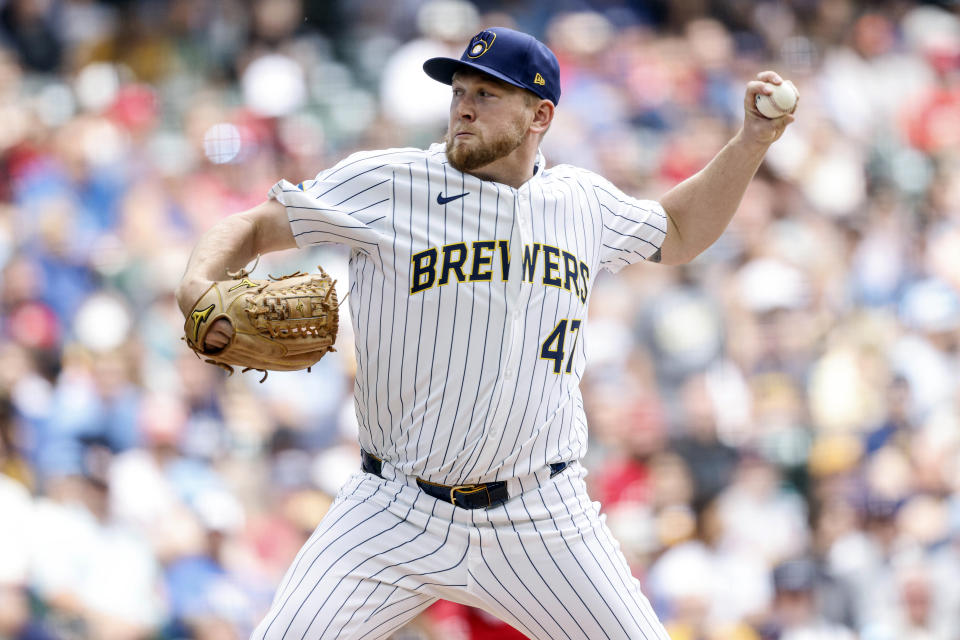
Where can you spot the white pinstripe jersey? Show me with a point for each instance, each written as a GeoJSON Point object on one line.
{"type": "Point", "coordinates": [468, 299]}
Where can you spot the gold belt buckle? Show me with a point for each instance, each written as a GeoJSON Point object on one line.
{"type": "Point", "coordinates": [466, 488]}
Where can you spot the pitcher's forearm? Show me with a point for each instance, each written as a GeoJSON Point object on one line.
{"type": "Point", "coordinates": [230, 245]}
{"type": "Point", "coordinates": [226, 246]}
{"type": "Point", "coordinates": [701, 207]}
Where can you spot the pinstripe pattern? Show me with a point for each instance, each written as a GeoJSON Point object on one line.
{"type": "Point", "coordinates": [470, 320]}
{"type": "Point", "coordinates": [544, 562]}
{"type": "Point", "coordinates": [438, 371]}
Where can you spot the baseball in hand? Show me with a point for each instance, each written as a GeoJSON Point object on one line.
{"type": "Point", "coordinates": [782, 101]}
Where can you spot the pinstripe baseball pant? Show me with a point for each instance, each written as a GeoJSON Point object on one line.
{"type": "Point", "coordinates": [544, 562]}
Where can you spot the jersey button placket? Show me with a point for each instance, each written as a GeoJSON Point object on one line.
{"type": "Point", "coordinates": [515, 295]}
{"type": "Point", "coordinates": [521, 208]}
{"type": "Point", "coordinates": [516, 313]}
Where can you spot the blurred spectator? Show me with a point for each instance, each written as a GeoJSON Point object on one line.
{"type": "Point", "coordinates": [701, 585]}
{"type": "Point", "coordinates": [29, 27]}
{"type": "Point", "coordinates": [711, 462]}
{"type": "Point", "coordinates": [795, 610]}
{"type": "Point", "coordinates": [409, 97]}
{"type": "Point", "coordinates": [452, 621]}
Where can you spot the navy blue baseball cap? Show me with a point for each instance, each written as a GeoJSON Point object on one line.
{"type": "Point", "coordinates": [511, 56]}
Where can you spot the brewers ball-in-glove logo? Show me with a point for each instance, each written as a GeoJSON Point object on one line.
{"type": "Point", "coordinates": [281, 324]}
{"type": "Point", "coordinates": [481, 43]}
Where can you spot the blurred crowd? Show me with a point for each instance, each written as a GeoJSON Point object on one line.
{"type": "Point", "coordinates": [775, 435]}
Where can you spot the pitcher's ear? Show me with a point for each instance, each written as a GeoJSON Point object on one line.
{"type": "Point", "coordinates": [542, 116]}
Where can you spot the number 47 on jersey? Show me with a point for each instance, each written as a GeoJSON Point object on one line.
{"type": "Point", "coordinates": [553, 346]}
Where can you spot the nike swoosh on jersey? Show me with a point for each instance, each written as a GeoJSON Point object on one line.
{"type": "Point", "coordinates": [442, 200]}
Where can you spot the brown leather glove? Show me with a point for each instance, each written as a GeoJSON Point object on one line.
{"type": "Point", "coordinates": [280, 324]}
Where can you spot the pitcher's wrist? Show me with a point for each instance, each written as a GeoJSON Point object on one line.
{"type": "Point", "coordinates": [188, 292]}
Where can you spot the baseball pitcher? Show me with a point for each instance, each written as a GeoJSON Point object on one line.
{"type": "Point", "coordinates": [471, 268]}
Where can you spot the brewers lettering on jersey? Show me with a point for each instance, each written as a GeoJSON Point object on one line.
{"type": "Point", "coordinates": [471, 268]}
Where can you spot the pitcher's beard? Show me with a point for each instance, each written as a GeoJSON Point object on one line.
{"type": "Point", "coordinates": [465, 159]}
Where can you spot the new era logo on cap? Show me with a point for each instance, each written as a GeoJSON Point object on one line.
{"type": "Point", "coordinates": [511, 56]}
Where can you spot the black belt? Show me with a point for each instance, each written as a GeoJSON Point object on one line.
{"type": "Point", "coordinates": [465, 496]}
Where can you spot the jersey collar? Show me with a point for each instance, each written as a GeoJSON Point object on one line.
{"type": "Point", "coordinates": [540, 165]}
